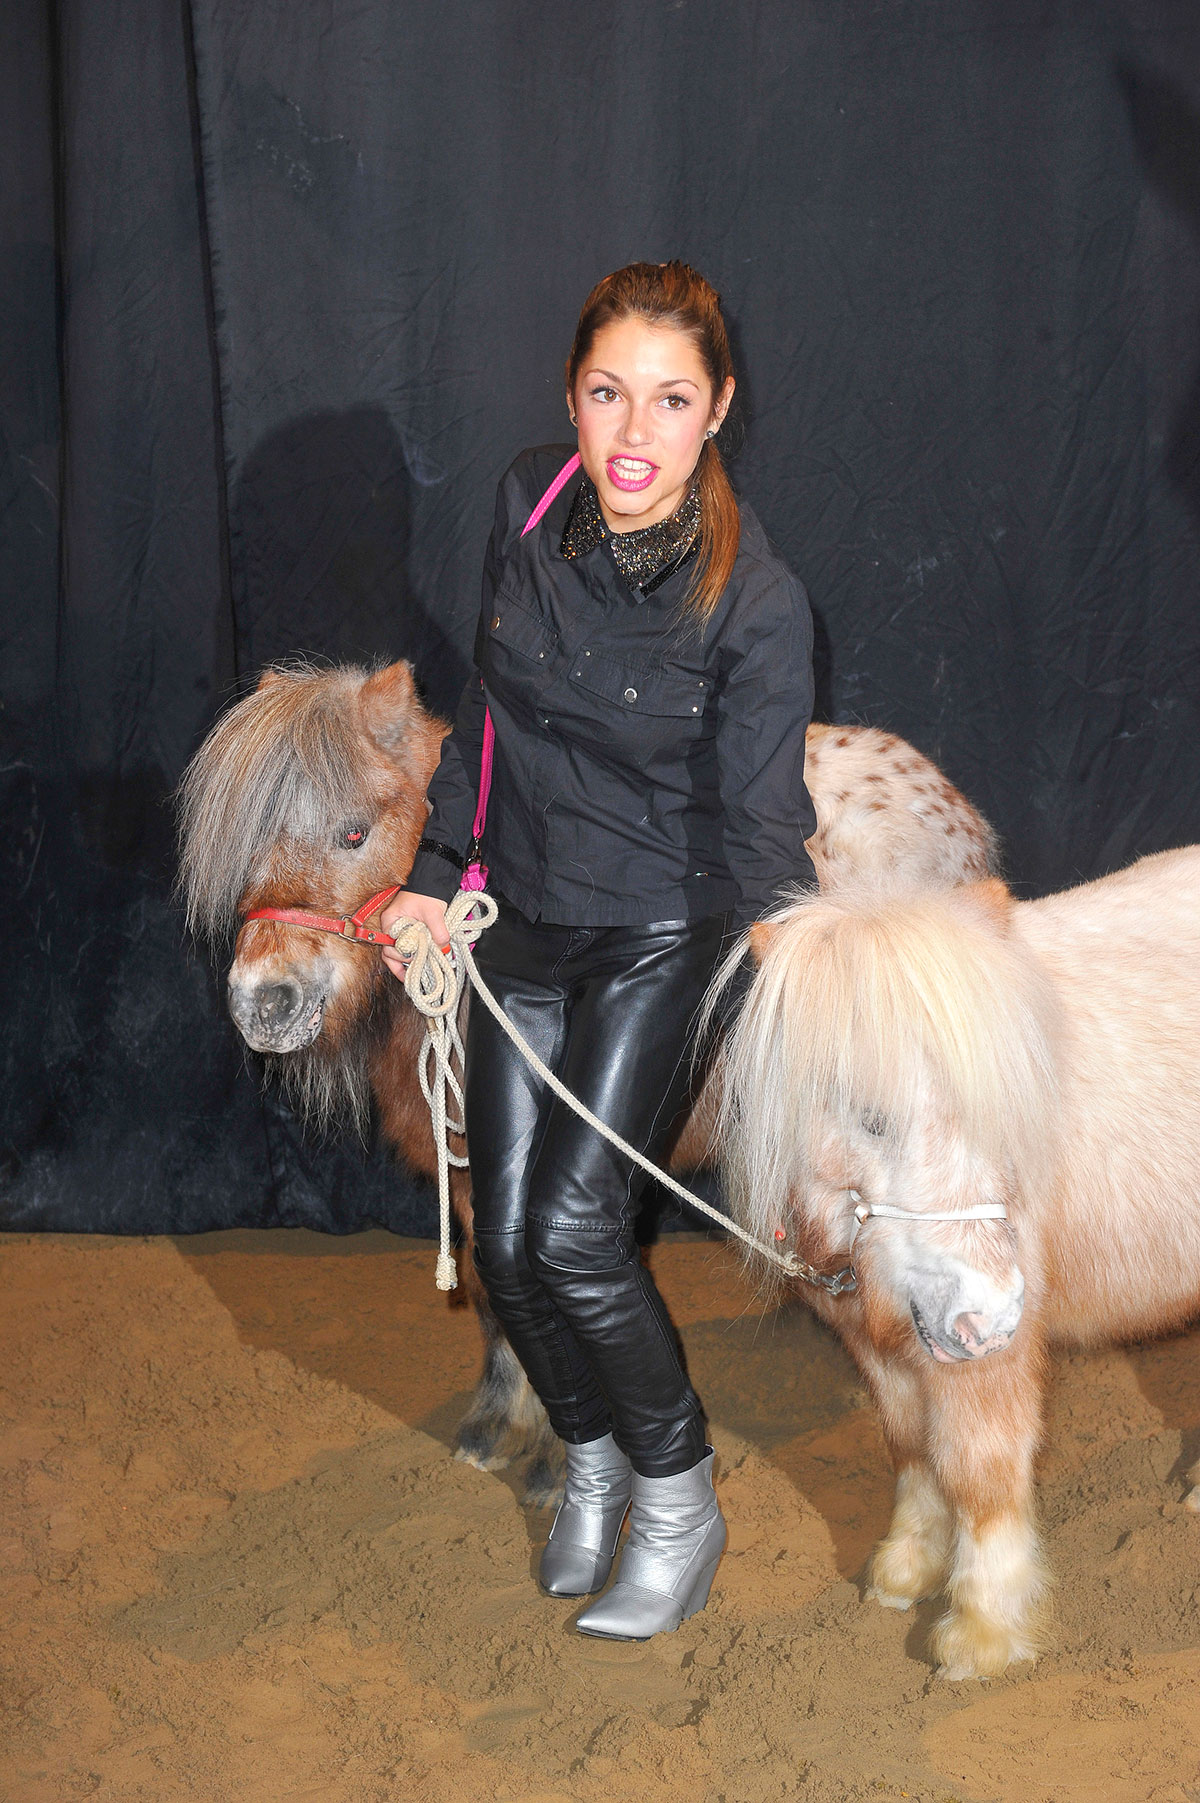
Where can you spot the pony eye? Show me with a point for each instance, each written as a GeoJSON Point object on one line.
{"type": "Point", "coordinates": [353, 837]}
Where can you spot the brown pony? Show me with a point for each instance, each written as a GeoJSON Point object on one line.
{"type": "Point", "coordinates": [309, 793]}
{"type": "Point", "coordinates": [987, 1109]}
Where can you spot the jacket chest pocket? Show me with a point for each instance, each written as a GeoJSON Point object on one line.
{"type": "Point", "coordinates": [518, 650]}
{"type": "Point", "coordinates": [648, 704]}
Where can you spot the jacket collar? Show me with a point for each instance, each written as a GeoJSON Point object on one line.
{"type": "Point", "coordinates": [646, 557]}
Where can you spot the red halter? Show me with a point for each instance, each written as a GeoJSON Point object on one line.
{"type": "Point", "coordinates": [346, 926]}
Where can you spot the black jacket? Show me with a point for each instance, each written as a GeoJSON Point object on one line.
{"type": "Point", "coordinates": [645, 768]}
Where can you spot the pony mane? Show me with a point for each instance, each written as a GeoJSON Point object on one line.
{"type": "Point", "coordinates": [870, 1004]}
{"type": "Point", "coordinates": [285, 762]}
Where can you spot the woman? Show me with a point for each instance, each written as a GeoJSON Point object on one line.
{"type": "Point", "coordinates": [647, 660]}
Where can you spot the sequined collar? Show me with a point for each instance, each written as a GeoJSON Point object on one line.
{"type": "Point", "coordinates": [646, 557]}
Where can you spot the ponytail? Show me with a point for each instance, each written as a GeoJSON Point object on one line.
{"type": "Point", "coordinates": [720, 531]}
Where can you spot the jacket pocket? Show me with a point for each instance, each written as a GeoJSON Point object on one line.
{"type": "Point", "coordinates": [637, 690]}
{"type": "Point", "coordinates": [512, 629]}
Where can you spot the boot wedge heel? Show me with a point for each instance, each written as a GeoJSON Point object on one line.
{"type": "Point", "coordinates": [676, 1538]}
{"type": "Point", "coordinates": [703, 1585]}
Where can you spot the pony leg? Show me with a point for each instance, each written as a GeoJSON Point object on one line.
{"type": "Point", "coordinates": [1192, 1499]}
{"type": "Point", "coordinates": [506, 1419]}
{"type": "Point", "coordinates": [912, 1560]}
{"type": "Point", "coordinates": [985, 1421]}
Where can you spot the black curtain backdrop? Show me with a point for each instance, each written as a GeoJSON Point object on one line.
{"type": "Point", "coordinates": [286, 284]}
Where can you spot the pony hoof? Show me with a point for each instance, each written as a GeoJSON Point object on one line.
{"type": "Point", "coordinates": [971, 1646]}
{"type": "Point", "coordinates": [887, 1601]}
{"type": "Point", "coordinates": [480, 1459]}
{"type": "Point", "coordinates": [905, 1570]}
{"type": "Point", "coordinates": [543, 1484]}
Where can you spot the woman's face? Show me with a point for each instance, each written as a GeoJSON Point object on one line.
{"type": "Point", "coordinates": [643, 401]}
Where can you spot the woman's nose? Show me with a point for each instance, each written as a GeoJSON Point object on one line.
{"type": "Point", "coordinates": [635, 427]}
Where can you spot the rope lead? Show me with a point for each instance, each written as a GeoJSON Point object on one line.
{"type": "Point", "coordinates": [434, 983]}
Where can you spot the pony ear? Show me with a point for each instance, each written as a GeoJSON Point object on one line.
{"type": "Point", "coordinates": [993, 899]}
{"type": "Point", "coordinates": [389, 704]}
{"type": "Point", "coordinates": [270, 677]}
{"type": "Point", "coordinates": [761, 935]}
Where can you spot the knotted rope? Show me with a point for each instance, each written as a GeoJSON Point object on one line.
{"type": "Point", "coordinates": [434, 984]}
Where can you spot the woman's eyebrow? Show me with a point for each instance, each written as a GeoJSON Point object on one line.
{"type": "Point", "coordinates": [674, 382]}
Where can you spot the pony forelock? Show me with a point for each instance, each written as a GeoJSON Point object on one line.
{"type": "Point", "coordinates": [285, 763]}
{"type": "Point", "coordinates": [874, 1005]}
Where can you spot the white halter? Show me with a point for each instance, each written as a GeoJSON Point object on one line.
{"type": "Point", "coordinates": [883, 1211]}
{"type": "Point", "coordinates": [845, 1281]}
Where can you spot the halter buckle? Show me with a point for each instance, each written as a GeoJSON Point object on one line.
{"type": "Point", "coordinates": [349, 927]}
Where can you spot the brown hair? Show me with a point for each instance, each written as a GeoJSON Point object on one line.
{"type": "Point", "coordinates": [672, 294]}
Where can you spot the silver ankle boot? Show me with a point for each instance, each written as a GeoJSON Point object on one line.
{"type": "Point", "coordinates": [578, 1556]}
{"type": "Point", "coordinates": [676, 1537]}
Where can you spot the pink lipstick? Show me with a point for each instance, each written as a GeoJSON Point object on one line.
{"type": "Point", "coordinates": [631, 473]}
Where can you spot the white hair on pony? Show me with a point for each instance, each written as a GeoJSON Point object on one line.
{"type": "Point", "coordinates": [870, 1005]}
{"type": "Point", "coordinates": [286, 762]}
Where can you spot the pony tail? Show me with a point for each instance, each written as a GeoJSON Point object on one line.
{"type": "Point", "coordinates": [720, 534]}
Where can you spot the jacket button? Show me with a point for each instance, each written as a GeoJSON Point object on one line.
{"type": "Point", "coordinates": [631, 694]}
{"type": "Point", "coordinates": [495, 621]}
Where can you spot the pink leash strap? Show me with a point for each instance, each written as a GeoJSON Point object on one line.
{"type": "Point", "coordinates": [475, 875]}
{"type": "Point", "coordinates": [560, 482]}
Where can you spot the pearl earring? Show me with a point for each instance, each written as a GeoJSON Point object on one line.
{"type": "Point", "coordinates": [711, 433]}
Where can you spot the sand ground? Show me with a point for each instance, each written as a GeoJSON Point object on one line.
{"type": "Point", "coordinates": [240, 1566]}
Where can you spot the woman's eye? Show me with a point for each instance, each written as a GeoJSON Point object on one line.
{"type": "Point", "coordinates": [604, 394]}
{"type": "Point", "coordinates": [352, 837]}
{"type": "Point", "coordinates": [676, 402]}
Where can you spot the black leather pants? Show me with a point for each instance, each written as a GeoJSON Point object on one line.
{"type": "Point", "coordinates": [611, 1011]}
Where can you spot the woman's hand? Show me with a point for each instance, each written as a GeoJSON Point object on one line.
{"type": "Point", "coordinates": [410, 906]}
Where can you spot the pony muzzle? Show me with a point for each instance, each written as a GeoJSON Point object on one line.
{"type": "Point", "coordinates": [953, 1326]}
{"type": "Point", "coordinates": [278, 1013]}
{"type": "Point", "coordinates": [968, 1337]}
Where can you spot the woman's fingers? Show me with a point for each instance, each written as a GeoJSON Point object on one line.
{"type": "Point", "coordinates": [410, 906]}
{"type": "Point", "coordinates": [398, 962]}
